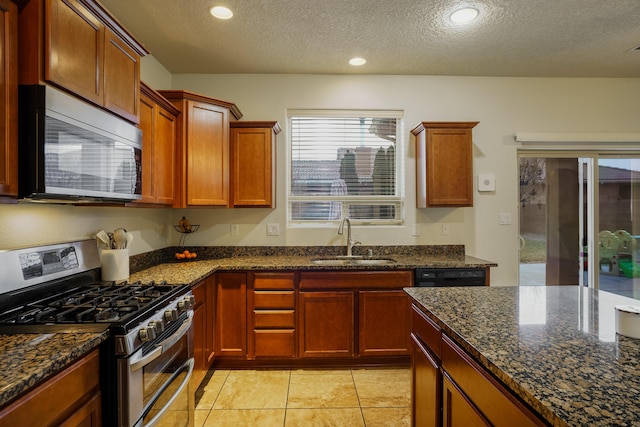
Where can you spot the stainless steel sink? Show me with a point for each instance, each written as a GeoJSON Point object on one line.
{"type": "Point", "coordinates": [352, 261]}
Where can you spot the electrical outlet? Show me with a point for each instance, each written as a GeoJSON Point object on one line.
{"type": "Point", "coordinates": [445, 229]}
{"type": "Point", "coordinates": [273, 229]}
{"type": "Point", "coordinates": [235, 229]}
{"type": "Point", "coordinates": [416, 229]}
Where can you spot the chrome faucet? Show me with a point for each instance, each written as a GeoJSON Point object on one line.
{"type": "Point", "coordinates": [350, 243]}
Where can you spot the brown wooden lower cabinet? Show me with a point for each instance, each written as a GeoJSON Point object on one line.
{"type": "Point", "coordinates": [457, 410]}
{"type": "Point", "coordinates": [327, 324]}
{"type": "Point", "coordinates": [281, 317]}
{"type": "Point", "coordinates": [231, 314]}
{"type": "Point", "coordinates": [70, 398]}
{"type": "Point", "coordinates": [450, 388]}
{"type": "Point", "coordinates": [272, 315]}
{"type": "Point", "coordinates": [384, 323]}
{"type": "Point", "coordinates": [426, 386]}
{"type": "Point", "coordinates": [203, 328]}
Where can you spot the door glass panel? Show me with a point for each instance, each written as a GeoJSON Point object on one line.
{"type": "Point", "coordinates": [618, 260]}
{"type": "Point", "coordinates": [551, 215]}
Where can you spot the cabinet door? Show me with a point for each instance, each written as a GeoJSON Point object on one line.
{"type": "Point", "coordinates": [444, 164]}
{"type": "Point", "coordinates": [231, 316]}
{"type": "Point", "coordinates": [121, 78]}
{"type": "Point", "coordinates": [164, 146]}
{"type": "Point", "coordinates": [426, 387]}
{"type": "Point", "coordinates": [449, 167]}
{"type": "Point", "coordinates": [199, 332]}
{"type": "Point", "coordinates": [384, 323]}
{"type": "Point", "coordinates": [88, 415]}
{"type": "Point", "coordinates": [207, 151]}
{"type": "Point", "coordinates": [210, 336]}
{"type": "Point", "coordinates": [326, 324]}
{"type": "Point", "coordinates": [8, 99]}
{"type": "Point", "coordinates": [147, 126]}
{"type": "Point", "coordinates": [74, 56]}
{"type": "Point", "coordinates": [457, 410]}
{"type": "Point", "coordinates": [253, 166]}
{"type": "Point", "coordinates": [158, 122]}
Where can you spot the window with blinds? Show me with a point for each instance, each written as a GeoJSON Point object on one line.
{"type": "Point", "coordinates": [345, 164]}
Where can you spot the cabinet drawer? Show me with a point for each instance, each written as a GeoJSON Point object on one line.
{"type": "Point", "coordinates": [356, 280]}
{"type": "Point", "coordinates": [495, 402]}
{"type": "Point", "coordinates": [426, 330]}
{"type": "Point", "coordinates": [274, 299]}
{"type": "Point", "coordinates": [274, 319]}
{"type": "Point", "coordinates": [275, 343]}
{"type": "Point", "coordinates": [273, 281]}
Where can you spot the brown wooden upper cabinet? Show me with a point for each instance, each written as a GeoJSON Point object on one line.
{"type": "Point", "coordinates": [444, 164]}
{"type": "Point", "coordinates": [8, 101]}
{"type": "Point", "coordinates": [79, 47]}
{"type": "Point", "coordinates": [202, 175]}
{"type": "Point", "coordinates": [253, 167]}
{"type": "Point", "coordinates": [158, 122]}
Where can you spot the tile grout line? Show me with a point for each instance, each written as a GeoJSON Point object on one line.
{"type": "Point", "coordinates": [286, 401]}
{"type": "Point", "coordinates": [217, 396]}
{"type": "Point", "coordinates": [358, 396]}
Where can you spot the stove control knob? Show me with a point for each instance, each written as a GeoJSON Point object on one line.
{"type": "Point", "coordinates": [171, 315]}
{"type": "Point", "coordinates": [186, 303]}
{"type": "Point", "coordinates": [157, 325]}
{"type": "Point", "coordinates": [147, 334]}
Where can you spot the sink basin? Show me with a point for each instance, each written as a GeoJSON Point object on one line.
{"type": "Point", "coordinates": [352, 261]}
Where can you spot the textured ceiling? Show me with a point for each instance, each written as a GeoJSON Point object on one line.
{"type": "Point", "coordinates": [555, 38]}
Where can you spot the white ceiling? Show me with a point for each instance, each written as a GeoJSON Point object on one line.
{"type": "Point", "coordinates": [551, 38]}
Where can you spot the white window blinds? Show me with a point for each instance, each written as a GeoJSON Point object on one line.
{"type": "Point", "coordinates": [345, 164]}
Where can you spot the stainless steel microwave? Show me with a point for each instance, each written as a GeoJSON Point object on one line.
{"type": "Point", "coordinates": [70, 150]}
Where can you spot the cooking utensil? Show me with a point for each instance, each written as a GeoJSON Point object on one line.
{"type": "Point", "coordinates": [128, 240]}
{"type": "Point", "coordinates": [119, 238]}
{"type": "Point", "coordinates": [112, 244]}
{"type": "Point", "coordinates": [103, 238]}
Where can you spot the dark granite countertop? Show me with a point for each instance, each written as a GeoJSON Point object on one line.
{"type": "Point", "coordinates": [192, 271]}
{"type": "Point", "coordinates": [27, 359]}
{"type": "Point", "coordinates": [554, 346]}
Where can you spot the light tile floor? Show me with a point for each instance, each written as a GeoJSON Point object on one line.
{"type": "Point", "coordinates": [309, 398]}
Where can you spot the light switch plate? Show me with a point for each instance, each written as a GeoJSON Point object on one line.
{"type": "Point", "coordinates": [273, 229]}
{"type": "Point", "coordinates": [505, 218]}
{"type": "Point", "coordinates": [235, 229]}
{"type": "Point", "coordinates": [486, 182]}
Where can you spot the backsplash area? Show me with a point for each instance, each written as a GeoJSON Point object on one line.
{"type": "Point", "coordinates": [149, 259]}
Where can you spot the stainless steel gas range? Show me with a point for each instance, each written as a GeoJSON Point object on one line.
{"type": "Point", "coordinates": [146, 364]}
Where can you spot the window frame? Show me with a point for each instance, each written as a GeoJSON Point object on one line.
{"type": "Point", "coordinates": [397, 200]}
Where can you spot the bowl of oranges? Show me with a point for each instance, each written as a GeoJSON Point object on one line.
{"type": "Point", "coordinates": [185, 255]}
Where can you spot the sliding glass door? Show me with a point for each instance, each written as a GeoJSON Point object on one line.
{"type": "Point", "coordinates": [551, 218]}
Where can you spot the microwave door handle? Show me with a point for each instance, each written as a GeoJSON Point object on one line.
{"type": "Point", "coordinates": [189, 364]}
{"type": "Point", "coordinates": [163, 346]}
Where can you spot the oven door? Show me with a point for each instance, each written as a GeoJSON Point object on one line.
{"type": "Point", "coordinates": [154, 390]}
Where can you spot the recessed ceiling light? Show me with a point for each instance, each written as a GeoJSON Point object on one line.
{"type": "Point", "coordinates": [466, 14]}
{"type": "Point", "coordinates": [221, 12]}
{"type": "Point", "coordinates": [357, 61]}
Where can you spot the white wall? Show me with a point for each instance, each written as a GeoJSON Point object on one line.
{"type": "Point", "coordinates": [501, 105]}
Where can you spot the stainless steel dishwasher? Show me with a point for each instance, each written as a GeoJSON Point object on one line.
{"type": "Point", "coordinates": [446, 277]}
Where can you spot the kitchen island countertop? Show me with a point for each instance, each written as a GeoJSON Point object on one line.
{"type": "Point", "coordinates": [555, 347]}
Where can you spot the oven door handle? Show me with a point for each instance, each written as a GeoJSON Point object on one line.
{"type": "Point", "coordinates": [161, 347]}
{"type": "Point", "coordinates": [189, 364]}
